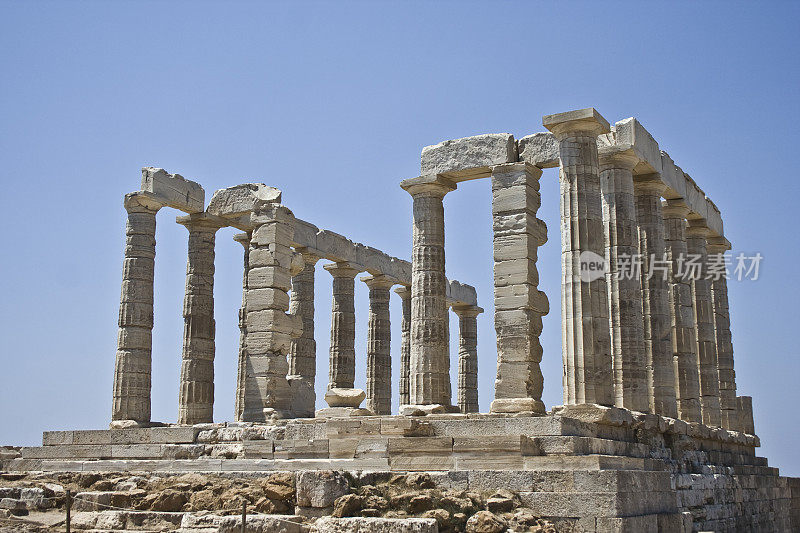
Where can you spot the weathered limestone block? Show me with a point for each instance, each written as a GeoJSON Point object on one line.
{"type": "Point", "coordinates": [655, 297]}
{"type": "Point", "coordinates": [630, 136]}
{"type": "Point", "coordinates": [196, 390]}
{"type": "Point", "coordinates": [173, 190]}
{"type": "Point", "coordinates": [320, 489]}
{"type": "Point", "coordinates": [131, 395]}
{"type": "Point", "coordinates": [459, 292]}
{"type": "Point", "coordinates": [586, 343]}
{"type": "Point", "coordinates": [696, 245]}
{"type": "Point", "coordinates": [430, 354]}
{"type": "Point", "coordinates": [722, 332]}
{"type": "Point", "coordinates": [539, 149]}
{"type": "Point", "coordinates": [328, 524]}
{"type": "Point", "coordinates": [379, 357]}
{"type": "Point", "coordinates": [517, 236]}
{"type": "Point", "coordinates": [405, 344]}
{"type": "Point", "coordinates": [269, 331]}
{"type": "Point", "coordinates": [684, 346]}
{"type": "Point", "coordinates": [468, 158]}
{"type": "Point", "coordinates": [467, 357]}
{"type": "Point", "coordinates": [336, 247]}
{"type": "Point", "coordinates": [303, 351]}
{"type": "Point", "coordinates": [240, 200]}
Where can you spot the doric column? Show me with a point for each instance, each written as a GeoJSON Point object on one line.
{"type": "Point", "coordinates": [196, 390]}
{"type": "Point", "coordinates": [342, 373]}
{"type": "Point", "coordinates": [696, 246]}
{"type": "Point", "coordinates": [744, 407]}
{"type": "Point", "coordinates": [684, 345]}
{"type": "Point", "coordinates": [584, 304]}
{"type": "Point", "coordinates": [303, 351]}
{"type": "Point", "coordinates": [717, 246]}
{"type": "Point", "coordinates": [624, 286]}
{"type": "Point", "coordinates": [519, 305]}
{"type": "Point", "coordinates": [655, 297]}
{"type": "Point", "coordinates": [131, 397]}
{"type": "Point", "coordinates": [379, 338]}
{"type": "Point", "coordinates": [405, 343]}
{"type": "Point", "coordinates": [429, 384]}
{"type": "Point", "coordinates": [269, 328]}
{"type": "Point", "coordinates": [467, 357]}
{"type": "Point", "coordinates": [244, 240]}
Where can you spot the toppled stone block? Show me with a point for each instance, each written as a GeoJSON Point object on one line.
{"type": "Point", "coordinates": [337, 397]}
{"type": "Point", "coordinates": [240, 200]}
{"type": "Point", "coordinates": [173, 190]}
{"type": "Point", "coordinates": [470, 157]}
{"type": "Point", "coordinates": [539, 149]}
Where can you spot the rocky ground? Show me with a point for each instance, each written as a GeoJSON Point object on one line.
{"type": "Point", "coordinates": [283, 501]}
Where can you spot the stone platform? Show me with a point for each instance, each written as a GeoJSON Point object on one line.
{"type": "Point", "coordinates": [601, 469]}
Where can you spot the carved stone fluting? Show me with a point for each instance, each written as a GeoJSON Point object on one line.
{"type": "Point", "coordinates": [379, 339]}
{"type": "Point", "coordinates": [196, 390]}
{"type": "Point", "coordinates": [244, 240]}
{"type": "Point", "coordinates": [303, 351]}
{"type": "Point", "coordinates": [717, 246]}
{"type": "Point", "coordinates": [655, 296]}
{"type": "Point", "coordinates": [467, 357]}
{"type": "Point", "coordinates": [269, 328]}
{"type": "Point", "coordinates": [342, 366]}
{"type": "Point", "coordinates": [631, 367]}
{"type": "Point", "coordinates": [744, 407]}
{"type": "Point", "coordinates": [585, 325]}
{"type": "Point", "coordinates": [684, 345]}
{"type": "Point", "coordinates": [696, 245]}
{"type": "Point", "coordinates": [519, 305]}
{"type": "Point", "coordinates": [429, 384]}
{"type": "Point", "coordinates": [405, 344]}
{"type": "Point", "coordinates": [131, 395]}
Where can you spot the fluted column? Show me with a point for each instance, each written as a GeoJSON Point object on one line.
{"type": "Point", "coordinates": [717, 246]}
{"type": "Point", "coordinates": [196, 390]}
{"type": "Point", "coordinates": [244, 240]}
{"type": "Point", "coordinates": [655, 297]}
{"type": "Point", "coordinates": [624, 289]}
{"type": "Point", "coordinates": [379, 338]}
{"type": "Point", "coordinates": [467, 357]}
{"type": "Point", "coordinates": [303, 351]}
{"type": "Point", "coordinates": [696, 235]}
{"type": "Point", "coordinates": [405, 343]}
{"type": "Point", "coordinates": [429, 385]}
{"type": "Point", "coordinates": [131, 396]}
{"type": "Point", "coordinates": [519, 304]}
{"type": "Point", "coordinates": [269, 328]}
{"type": "Point", "coordinates": [585, 325]}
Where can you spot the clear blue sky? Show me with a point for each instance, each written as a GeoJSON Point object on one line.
{"type": "Point", "coordinates": [332, 102]}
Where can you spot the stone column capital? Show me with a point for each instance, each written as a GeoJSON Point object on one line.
{"type": "Point", "coordinates": [587, 121]}
{"type": "Point", "coordinates": [309, 257]}
{"type": "Point", "coordinates": [202, 222]}
{"type": "Point", "coordinates": [431, 185]}
{"type": "Point", "coordinates": [648, 184]}
{"type": "Point", "coordinates": [380, 281]}
{"type": "Point", "coordinates": [467, 311]}
{"type": "Point", "coordinates": [675, 208]}
{"type": "Point", "coordinates": [243, 239]}
{"type": "Point", "coordinates": [718, 245]}
{"type": "Point", "coordinates": [616, 158]}
{"type": "Point", "coordinates": [697, 228]}
{"type": "Point", "coordinates": [403, 291]}
{"type": "Point", "coordinates": [343, 269]}
{"type": "Point", "coordinates": [141, 202]}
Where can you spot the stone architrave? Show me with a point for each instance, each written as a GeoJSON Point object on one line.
{"type": "Point", "coordinates": [586, 335]}
{"type": "Point", "coordinates": [631, 367]}
{"type": "Point", "coordinates": [429, 384]}
{"type": "Point", "coordinates": [519, 305]}
{"type": "Point", "coordinates": [303, 352]}
{"type": "Point", "coordinates": [269, 328]}
{"type": "Point", "coordinates": [655, 296]}
{"type": "Point", "coordinates": [379, 337]}
{"type": "Point", "coordinates": [717, 246]}
{"type": "Point", "coordinates": [131, 396]}
{"type": "Point", "coordinates": [684, 345]}
{"type": "Point", "coordinates": [196, 390]}
{"type": "Point", "coordinates": [405, 343]}
{"type": "Point", "coordinates": [467, 357]}
{"type": "Point", "coordinates": [696, 245]}
{"type": "Point", "coordinates": [244, 240]}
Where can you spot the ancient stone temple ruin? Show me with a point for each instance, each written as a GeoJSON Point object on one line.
{"type": "Point", "coordinates": [652, 435]}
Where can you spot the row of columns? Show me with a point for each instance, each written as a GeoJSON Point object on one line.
{"type": "Point", "coordinates": [642, 342]}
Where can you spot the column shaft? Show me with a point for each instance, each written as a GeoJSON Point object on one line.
{"type": "Point", "coordinates": [196, 391]}
{"type": "Point", "coordinates": [684, 344]}
{"type": "Point", "coordinates": [722, 333]}
{"type": "Point", "coordinates": [244, 240]}
{"type": "Point", "coordinates": [467, 357]}
{"type": "Point", "coordinates": [131, 396]}
{"type": "Point", "coordinates": [303, 351]}
{"type": "Point", "coordinates": [342, 372]}
{"type": "Point", "coordinates": [379, 357]}
{"type": "Point", "coordinates": [696, 244]}
{"type": "Point", "coordinates": [655, 298]}
{"type": "Point", "coordinates": [405, 344]}
{"type": "Point", "coordinates": [624, 290]}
